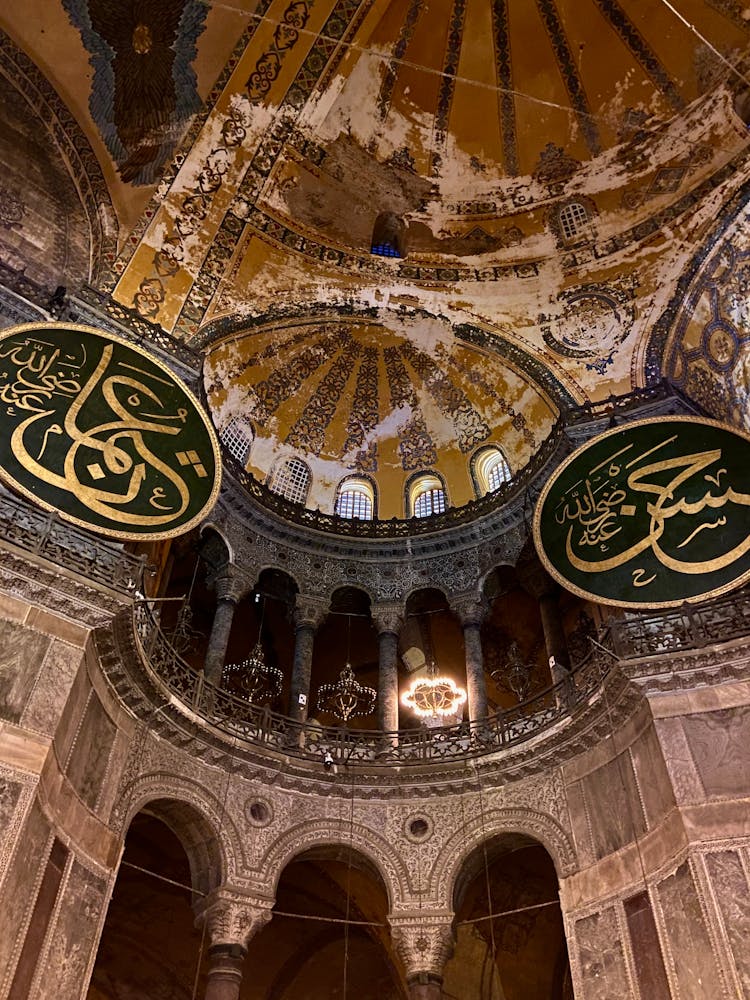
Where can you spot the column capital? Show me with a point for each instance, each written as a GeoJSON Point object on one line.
{"type": "Point", "coordinates": [470, 608]}
{"type": "Point", "coordinates": [309, 611]}
{"type": "Point", "coordinates": [388, 617]}
{"type": "Point", "coordinates": [232, 917]}
{"type": "Point", "coordinates": [228, 584]}
{"type": "Point", "coordinates": [423, 940]}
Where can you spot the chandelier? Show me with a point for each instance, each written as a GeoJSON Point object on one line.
{"type": "Point", "coordinates": [434, 697]}
{"type": "Point", "coordinates": [346, 698]}
{"type": "Point", "coordinates": [516, 674]}
{"type": "Point", "coordinates": [253, 678]}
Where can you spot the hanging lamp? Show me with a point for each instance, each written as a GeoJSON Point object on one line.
{"type": "Point", "coordinates": [346, 697]}
{"type": "Point", "coordinates": [253, 678]}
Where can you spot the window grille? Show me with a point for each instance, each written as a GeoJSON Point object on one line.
{"type": "Point", "coordinates": [497, 472]}
{"type": "Point", "coordinates": [292, 480]}
{"type": "Point", "coordinates": [428, 502]}
{"type": "Point", "coordinates": [573, 218]}
{"type": "Point", "coordinates": [355, 500]}
{"type": "Point", "coordinates": [238, 437]}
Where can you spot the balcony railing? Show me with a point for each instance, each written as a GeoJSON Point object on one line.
{"type": "Point", "coordinates": [45, 535]}
{"type": "Point", "coordinates": [627, 638]}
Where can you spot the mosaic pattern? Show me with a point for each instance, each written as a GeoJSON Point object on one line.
{"type": "Point", "coordinates": [641, 50]}
{"type": "Point", "coordinates": [110, 278]}
{"type": "Point", "coordinates": [555, 166]}
{"type": "Point", "coordinates": [475, 377]}
{"type": "Point", "coordinates": [144, 89]}
{"type": "Point", "coordinates": [389, 80]}
{"type": "Point", "coordinates": [74, 148]}
{"type": "Point", "coordinates": [448, 80]}
{"type": "Point", "coordinates": [710, 356]}
{"type": "Point", "coordinates": [501, 28]}
{"type": "Point", "coordinates": [283, 383]}
{"type": "Point", "coordinates": [471, 428]}
{"type": "Point", "coordinates": [416, 447]}
{"type": "Point", "coordinates": [309, 431]}
{"type": "Point", "coordinates": [285, 37]}
{"type": "Point", "coordinates": [339, 24]}
{"type": "Point", "coordinates": [364, 416]}
{"type": "Point", "coordinates": [12, 208]}
{"type": "Point", "coordinates": [551, 17]}
{"type": "Point", "coordinates": [592, 323]}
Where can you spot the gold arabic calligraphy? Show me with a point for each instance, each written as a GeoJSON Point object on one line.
{"type": "Point", "coordinates": [107, 465]}
{"type": "Point", "coordinates": [598, 507]}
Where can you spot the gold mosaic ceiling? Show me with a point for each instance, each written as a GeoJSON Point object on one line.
{"type": "Point", "coordinates": [385, 399]}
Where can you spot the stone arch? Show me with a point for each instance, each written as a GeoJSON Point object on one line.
{"type": "Point", "coordinates": [65, 136]}
{"type": "Point", "coordinates": [198, 820]}
{"type": "Point", "coordinates": [217, 529]}
{"type": "Point", "coordinates": [374, 847]}
{"type": "Point", "coordinates": [494, 823]}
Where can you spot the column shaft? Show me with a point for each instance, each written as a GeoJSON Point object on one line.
{"type": "Point", "coordinates": [426, 988]}
{"type": "Point", "coordinates": [225, 965]}
{"type": "Point", "coordinates": [388, 681]}
{"type": "Point", "coordinates": [554, 633]}
{"type": "Point", "coordinates": [304, 638]}
{"type": "Point", "coordinates": [219, 639]}
{"type": "Point", "coordinates": [475, 681]}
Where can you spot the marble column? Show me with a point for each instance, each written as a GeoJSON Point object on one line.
{"type": "Point", "coordinates": [388, 620]}
{"type": "Point", "coordinates": [536, 581]}
{"type": "Point", "coordinates": [471, 611]}
{"type": "Point", "coordinates": [227, 598]}
{"type": "Point", "coordinates": [423, 940]}
{"type": "Point", "coordinates": [232, 919]}
{"type": "Point", "coordinates": [308, 614]}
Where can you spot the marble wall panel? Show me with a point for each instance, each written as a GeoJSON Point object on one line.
{"type": "Point", "coordinates": [695, 967]}
{"type": "Point", "coordinates": [720, 745]}
{"type": "Point", "coordinates": [613, 805]}
{"type": "Point", "coordinates": [644, 941]}
{"type": "Point", "coordinates": [21, 654]}
{"type": "Point", "coordinates": [653, 778]}
{"type": "Point", "coordinates": [52, 688]}
{"type": "Point", "coordinates": [89, 757]}
{"type": "Point", "coordinates": [73, 937]}
{"type": "Point", "coordinates": [732, 891]}
{"type": "Point", "coordinates": [601, 956]}
{"type": "Point", "coordinates": [19, 889]}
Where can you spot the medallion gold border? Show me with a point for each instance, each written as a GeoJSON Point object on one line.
{"type": "Point", "coordinates": [597, 598]}
{"type": "Point", "coordinates": [144, 536]}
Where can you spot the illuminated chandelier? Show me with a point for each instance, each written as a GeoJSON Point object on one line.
{"type": "Point", "coordinates": [434, 697]}
{"type": "Point", "coordinates": [253, 678]}
{"type": "Point", "coordinates": [346, 698]}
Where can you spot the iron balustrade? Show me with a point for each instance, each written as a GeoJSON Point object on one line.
{"type": "Point", "coordinates": [44, 534]}
{"type": "Point", "coordinates": [310, 740]}
{"type": "Point", "coordinates": [631, 637]}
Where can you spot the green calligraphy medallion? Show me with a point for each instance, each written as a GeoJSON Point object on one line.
{"type": "Point", "coordinates": [654, 513]}
{"type": "Point", "coordinates": [100, 431]}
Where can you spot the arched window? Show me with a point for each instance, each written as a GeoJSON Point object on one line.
{"type": "Point", "coordinates": [388, 236]}
{"type": "Point", "coordinates": [292, 480]}
{"type": "Point", "coordinates": [489, 470]}
{"type": "Point", "coordinates": [573, 218]}
{"type": "Point", "coordinates": [238, 436]}
{"type": "Point", "coordinates": [426, 495]}
{"type": "Point", "coordinates": [355, 498]}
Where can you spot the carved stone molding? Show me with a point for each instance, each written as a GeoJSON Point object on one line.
{"type": "Point", "coordinates": [232, 917]}
{"type": "Point", "coordinates": [309, 610]}
{"type": "Point", "coordinates": [423, 940]}
{"type": "Point", "coordinates": [388, 617]}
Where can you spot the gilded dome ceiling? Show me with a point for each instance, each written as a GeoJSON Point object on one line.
{"type": "Point", "coordinates": [374, 396]}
